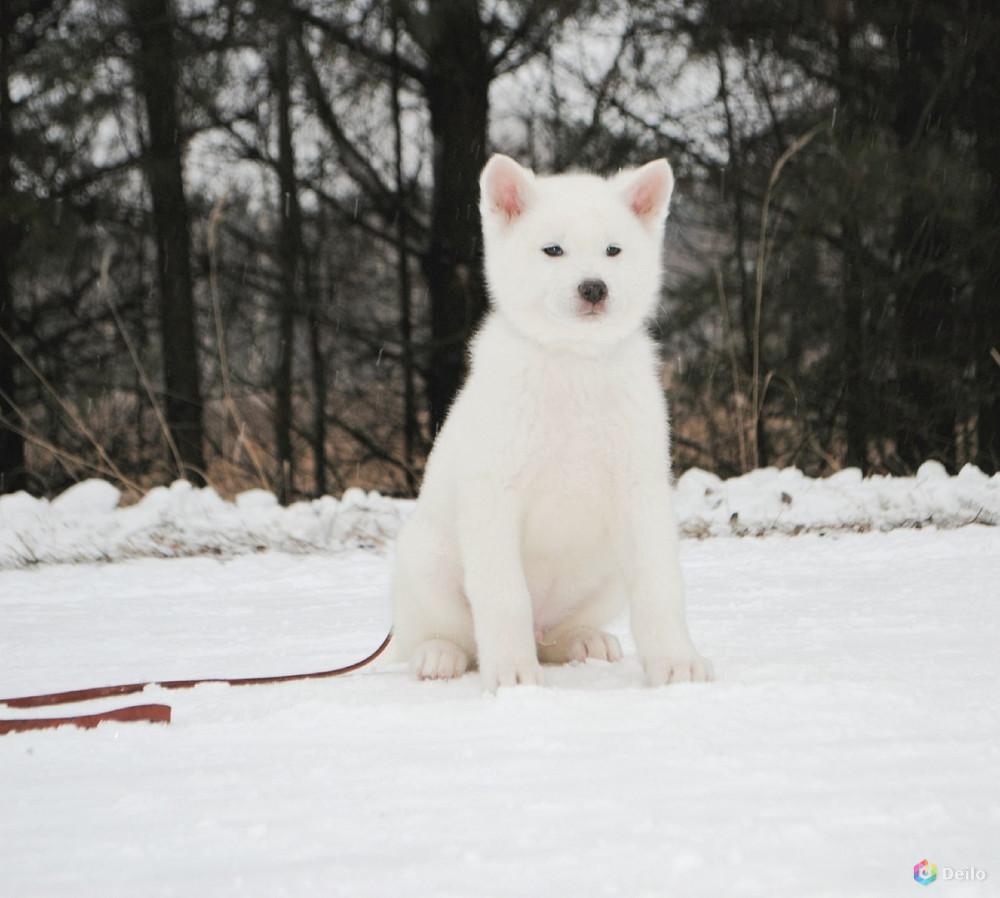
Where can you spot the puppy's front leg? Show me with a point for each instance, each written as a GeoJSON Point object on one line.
{"type": "Point", "coordinates": [496, 588]}
{"type": "Point", "coordinates": [659, 620]}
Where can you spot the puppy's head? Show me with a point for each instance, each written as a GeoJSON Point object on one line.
{"type": "Point", "coordinates": [574, 258]}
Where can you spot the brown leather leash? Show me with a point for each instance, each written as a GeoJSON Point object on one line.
{"type": "Point", "coordinates": [150, 713]}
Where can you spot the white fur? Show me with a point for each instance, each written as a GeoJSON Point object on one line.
{"type": "Point", "coordinates": [546, 505]}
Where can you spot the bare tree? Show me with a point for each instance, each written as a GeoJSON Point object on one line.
{"type": "Point", "coordinates": [452, 54]}
{"type": "Point", "coordinates": [156, 69]}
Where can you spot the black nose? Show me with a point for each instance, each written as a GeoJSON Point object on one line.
{"type": "Point", "coordinates": [593, 292]}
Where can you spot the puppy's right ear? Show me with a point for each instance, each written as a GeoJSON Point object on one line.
{"type": "Point", "coordinates": [506, 188]}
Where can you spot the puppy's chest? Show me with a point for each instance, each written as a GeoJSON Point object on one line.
{"type": "Point", "coordinates": [581, 449]}
{"type": "Point", "coordinates": [582, 429]}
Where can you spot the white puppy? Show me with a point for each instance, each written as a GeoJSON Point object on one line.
{"type": "Point", "coordinates": [545, 508]}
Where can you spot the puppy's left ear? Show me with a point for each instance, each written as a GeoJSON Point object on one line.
{"type": "Point", "coordinates": [647, 191]}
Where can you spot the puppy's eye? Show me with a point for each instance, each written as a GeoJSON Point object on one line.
{"type": "Point", "coordinates": [553, 250]}
{"type": "Point", "coordinates": [612, 250]}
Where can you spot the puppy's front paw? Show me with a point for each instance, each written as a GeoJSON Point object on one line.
{"type": "Point", "coordinates": [439, 659]}
{"type": "Point", "coordinates": [527, 672]}
{"type": "Point", "coordinates": [679, 668]}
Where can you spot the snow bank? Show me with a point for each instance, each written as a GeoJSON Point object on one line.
{"type": "Point", "coordinates": [769, 500]}
{"type": "Point", "coordinates": [85, 523]}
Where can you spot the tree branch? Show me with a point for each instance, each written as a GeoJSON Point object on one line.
{"type": "Point", "coordinates": [340, 34]}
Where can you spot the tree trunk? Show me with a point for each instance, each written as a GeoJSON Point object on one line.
{"type": "Point", "coordinates": [736, 186]}
{"type": "Point", "coordinates": [157, 79]}
{"type": "Point", "coordinates": [925, 313]}
{"type": "Point", "coordinates": [411, 427]}
{"type": "Point", "coordinates": [13, 474]}
{"type": "Point", "coordinates": [857, 396]}
{"type": "Point", "coordinates": [984, 103]}
{"type": "Point", "coordinates": [458, 81]}
{"type": "Point", "coordinates": [318, 373]}
{"type": "Point", "coordinates": [290, 251]}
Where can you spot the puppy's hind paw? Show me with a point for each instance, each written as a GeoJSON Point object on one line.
{"type": "Point", "coordinates": [439, 659]}
{"type": "Point", "coordinates": [579, 645]}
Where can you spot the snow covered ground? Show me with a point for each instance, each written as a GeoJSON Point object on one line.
{"type": "Point", "coordinates": [852, 733]}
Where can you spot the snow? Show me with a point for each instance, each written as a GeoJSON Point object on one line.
{"type": "Point", "coordinates": [86, 523]}
{"type": "Point", "coordinates": [786, 501]}
{"type": "Point", "coordinates": [853, 730]}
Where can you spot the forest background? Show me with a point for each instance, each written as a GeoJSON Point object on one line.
{"type": "Point", "coordinates": [239, 238]}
